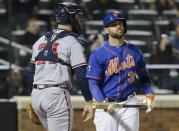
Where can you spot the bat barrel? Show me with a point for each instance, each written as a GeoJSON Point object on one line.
{"type": "Point", "coordinates": [144, 107]}
{"type": "Point", "coordinates": [117, 105]}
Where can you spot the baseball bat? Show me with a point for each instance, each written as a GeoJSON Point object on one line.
{"type": "Point", "coordinates": [118, 105]}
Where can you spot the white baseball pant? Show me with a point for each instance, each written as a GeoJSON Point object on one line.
{"type": "Point", "coordinates": [122, 119]}
{"type": "Point", "coordinates": [53, 107]}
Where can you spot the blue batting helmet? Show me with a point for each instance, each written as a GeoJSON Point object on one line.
{"type": "Point", "coordinates": [69, 13]}
{"type": "Point", "coordinates": [114, 16]}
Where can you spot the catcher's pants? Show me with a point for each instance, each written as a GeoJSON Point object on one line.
{"type": "Point", "coordinates": [122, 119]}
{"type": "Point", "coordinates": [53, 107]}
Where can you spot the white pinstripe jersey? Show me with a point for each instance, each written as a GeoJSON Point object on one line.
{"type": "Point", "coordinates": [69, 50]}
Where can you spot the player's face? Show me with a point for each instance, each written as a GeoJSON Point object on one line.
{"type": "Point", "coordinates": [116, 29]}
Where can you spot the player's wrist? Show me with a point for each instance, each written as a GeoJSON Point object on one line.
{"type": "Point", "coordinates": [150, 102]}
{"type": "Point", "coordinates": [150, 96]}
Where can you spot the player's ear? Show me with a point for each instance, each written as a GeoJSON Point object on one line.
{"type": "Point", "coordinates": [106, 30]}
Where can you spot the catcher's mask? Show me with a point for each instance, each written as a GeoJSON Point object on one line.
{"type": "Point", "coordinates": [114, 16]}
{"type": "Point", "coordinates": [69, 13]}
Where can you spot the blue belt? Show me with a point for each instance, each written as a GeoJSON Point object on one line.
{"type": "Point", "coordinates": [118, 100]}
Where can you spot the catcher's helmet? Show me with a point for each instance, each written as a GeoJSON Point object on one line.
{"type": "Point", "coordinates": [114, 16]}
{"type": "Point", "coordinates": [69, 13]}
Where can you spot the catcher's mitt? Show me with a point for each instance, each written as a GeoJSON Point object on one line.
{"type": "Point", "coordinates": [32, 115]}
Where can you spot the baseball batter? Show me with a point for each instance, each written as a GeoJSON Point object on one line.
{"type": "Point", "coordinates": [54, 56]}
{"type": "Point", "coordinates": [112, 73]}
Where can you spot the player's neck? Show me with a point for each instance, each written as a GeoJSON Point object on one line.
{"type": "Point", "coordinates": [65, 27]}
{"type": "Point", "coordinates": [115, 42]}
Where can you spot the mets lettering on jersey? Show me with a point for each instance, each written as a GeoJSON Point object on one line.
{"type": "Point", "coordinates": [117, 68]}
{"type": "Point", "coordinates": [113, 66]}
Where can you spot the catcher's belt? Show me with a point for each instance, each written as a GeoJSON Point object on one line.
{"type": "Point", "coordinates": [32, 115]}
{"type": "Point", "coordinates": [43, 86]}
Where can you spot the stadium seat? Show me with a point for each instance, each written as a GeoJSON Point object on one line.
{"type": "Point", "coordinates": [145, 4]}
{"type": "Point", "coordinates": [177, 3]}
{"type": "Point", "coordinates": [17, 34]}
{"type": "Point", "coordinates": [139, 35]}
{"type": "Point", "coordinates": [143, 14]}
{"type": "Point", "coordinates": [146, 36]}
{"type": "Point", "coordinates": [91, 32]}
{"type": "Point", "coordinates": [44, 4]}
{"type": "Point", "coordinates": [97, 14]}
{"type": "Point", "coordinates": [140, 25]}
{"type": "Point", "coordinates": [126, 4]}
{"type": "Point", "coordinates": [170, 14]}
{"type": "Point", "coordinates": [138, 42]}
{"type": "Point", "coordinates": [94, 25]}
{"type": "Point", "coordinates": [43, 26]}
{"type": "Point", "coordinates": [141, 44]}
{"type": "Point", "coordinates": [3, 16]}
{"type": "Point", "coordinates": [162, 27]}
{"type": "Point", "coordinates": [4, 51]}
{"type": "Point", "coordinates": [44, 14]}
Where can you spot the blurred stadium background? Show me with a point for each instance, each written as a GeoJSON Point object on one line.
{"type": "Point", "coordinates": [153, 25]}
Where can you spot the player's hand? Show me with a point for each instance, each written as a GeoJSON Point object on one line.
{"type": "Point", "coordinates": [150, 102]}
{"type": "Point", "coordinates": [88, 111]}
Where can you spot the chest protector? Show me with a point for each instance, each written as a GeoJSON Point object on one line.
{"type": "Point", "coordinates": [49, 52]}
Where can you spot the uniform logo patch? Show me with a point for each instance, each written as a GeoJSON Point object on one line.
{"type": "Point", "coordinates": [45, 52]}
{"type": "Point", "coordinates": [89, 68]}
{"type": "Point", "coordinates": [115, 13]}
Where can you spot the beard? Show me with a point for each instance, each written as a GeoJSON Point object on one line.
{"type": "Point", "coordinates": [116, 34]}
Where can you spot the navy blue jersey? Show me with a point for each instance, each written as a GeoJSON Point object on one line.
{"type": "Point", "coordinates": [117, 69]}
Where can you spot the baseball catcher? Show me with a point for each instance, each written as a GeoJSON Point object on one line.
{"type": "Point", "coordinates": [55, 55]}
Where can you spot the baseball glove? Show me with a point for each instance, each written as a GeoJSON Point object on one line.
{"type": "Point", "coordinates": [32, 115]}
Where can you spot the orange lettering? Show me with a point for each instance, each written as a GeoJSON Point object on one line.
{"type": "Point", "coordinates": [112, 66]}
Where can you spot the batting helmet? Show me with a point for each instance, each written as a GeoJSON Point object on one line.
{"type": "Point", "coordinates": [69, 13]}
{"type": "Point", "coordinates": [114, 16]}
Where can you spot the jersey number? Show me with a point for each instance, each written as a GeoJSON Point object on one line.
{"type": "Point", "coordinates": [54, 47]}
{"type": "Point", "coordinates": [131, 77]}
